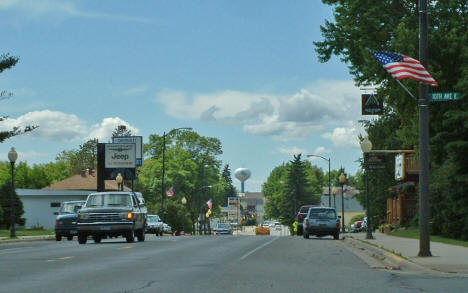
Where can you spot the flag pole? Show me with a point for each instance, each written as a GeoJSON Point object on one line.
{"type": "Point", "coordinates": [406, 90]}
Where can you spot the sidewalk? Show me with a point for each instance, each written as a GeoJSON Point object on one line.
{"type": "Point", "coordinates": [445, 258]}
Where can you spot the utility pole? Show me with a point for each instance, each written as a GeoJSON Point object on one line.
{"type": "Point", "coordinates": [423, 105]}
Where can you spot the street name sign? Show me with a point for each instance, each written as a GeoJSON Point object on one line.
{"type": "Point", "coordinates": [138, 141]}
{"type": "Point", "coordinates": [442, 97]}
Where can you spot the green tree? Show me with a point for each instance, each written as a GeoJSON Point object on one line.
{"type": "Point", "coordinates": [192, 165]}
{"type": "Point", "coordinates": [6, 195]}
{"type": "Point", "coordinates": [393, 26]}
{"type": "Point", "coordinates": [230, 190]}
{"type": "Point", "coordinates": [293, 184]}
{"type": "Point", "coordinates": [121, 130]}
{"type": "Point", "coordinates": [85, 157]}
{"type": "Point", "coordinates": [7, 62]}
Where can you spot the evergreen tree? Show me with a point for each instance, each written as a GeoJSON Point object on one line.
{"type": "Point", "coordinates": [6, 194]}
{"type": "Point", "coordinates": [6, 62]}
{"type": "Point", "coordinates": [230, 190]}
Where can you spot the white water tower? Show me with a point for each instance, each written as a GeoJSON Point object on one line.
{"type": "Point", "coordinates": [242, 174]}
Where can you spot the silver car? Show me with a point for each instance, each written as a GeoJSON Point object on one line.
{"type": "Point", "coordinates": [321, 221]}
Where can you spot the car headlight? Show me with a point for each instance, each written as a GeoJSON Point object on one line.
{"type": "Point", "coordinates": [83, 216]}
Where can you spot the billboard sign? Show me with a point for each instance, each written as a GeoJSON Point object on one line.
{"type": "Point", "coordinates": [138, 141]}
{"type": "Point", "coordinates": [120, 155]}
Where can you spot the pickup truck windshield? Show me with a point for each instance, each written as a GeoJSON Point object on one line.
{"type": "Point", "coordinates": [69, 208]}
{"type": "Point", "coordinates": [109, 200]}
{"type": "Point", "coordinates": [153, 219]}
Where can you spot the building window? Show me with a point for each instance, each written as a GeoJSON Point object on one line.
{"type": "Point", "coordinates": [54, 204]}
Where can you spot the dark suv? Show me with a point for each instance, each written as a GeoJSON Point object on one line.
{"type": "Point", "coordinates": [65, 223]}
{"type": "Point", "coordinates": [112, 214]}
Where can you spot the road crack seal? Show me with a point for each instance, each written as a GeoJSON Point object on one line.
{"type": "Point", "coordinates": [149, 284]}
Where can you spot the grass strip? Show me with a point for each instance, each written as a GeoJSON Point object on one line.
{"type": "Point", "coordinates": [414, 234]}
{"type": "Point", "coordinates": [24, 232]}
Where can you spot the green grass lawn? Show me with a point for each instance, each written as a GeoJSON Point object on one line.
{"type": "Point", "coordinates": [414, 233]}
{"type": "Point", "coordinates": [23, 232]}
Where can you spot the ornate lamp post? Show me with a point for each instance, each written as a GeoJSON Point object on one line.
{"type": "Point", "coordinates": [12, 156]}
{"type": "Point", "coordinates": [366, 147]}
{"type": "Point", "coordinates": [163, 192]}
{"type": "Point", "coordinates": [119, 180]}
{"type": "Point", "coordinates": [184, 202]}
{"type": "Point", "coordinates": [335, 192]}
{"type": "Point", "coordinates": [342, 181]}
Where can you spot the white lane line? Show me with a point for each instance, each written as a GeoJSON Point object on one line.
{"type": "Point", "coordinates": [258, 248]}
{"type": "Point", "coordinates": [6, 250]}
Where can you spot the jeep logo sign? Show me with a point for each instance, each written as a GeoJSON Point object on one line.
{"type": "Point", "coordinates": [120, 155]}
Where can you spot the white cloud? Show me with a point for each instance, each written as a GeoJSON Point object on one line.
{"type": "Point", "coordinates": [103, 131]}
{"type": "Point", "coordinates": [59, 126]}
{"type": "Point", "coordinates": [136, 90]}
{"type": "Point", "coordinates": [292, 151]}
{"type": "Point", "coordinates": [285, 118]}
{"type": "Point", "coordinates": [344, 136]}
{"type": "Point", "coordinates": [60, 9]}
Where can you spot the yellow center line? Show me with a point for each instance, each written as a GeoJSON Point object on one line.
{"type": "Point", "coordinates": [125, 247]}
{"type": "Point", "coordinates": [60, 258]}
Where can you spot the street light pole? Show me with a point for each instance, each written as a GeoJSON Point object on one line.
{"type": "Point", "coordinates": [342, 181]}
{"type": "Point", "coordinates": [12, 156]}
{"type": "Point", "coordinates": [329, 176]}
{"type": "Point", "coordinates": [164, 168]}
{"type": "Point", "coordinates": [335, 191]}
{"type": "Point", "coordinates": [366, 147]}
{"type": "Point", "coordinates": [423, 105]}
{"type": "Point", "coordinates": [184, 202]}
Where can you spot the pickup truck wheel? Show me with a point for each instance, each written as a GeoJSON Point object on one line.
{"type": "Point", "coordinates": [336, 236]}
{"type": "Point", "coordinates": [130, 237]}
{"type": "Point", "coordinates": [306, 235]}
{"type": "Point", "coordinates": [140, 235]}
{"type": "Point", "coordinates": [97, 239]}
{"type": "Point", "coordinates": [58, 237]}
{"type": "Point", "coordinates": [82, 238]}
{"type": "Point", "coordinates": [69, 238]}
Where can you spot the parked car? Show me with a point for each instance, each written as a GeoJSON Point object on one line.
{"type": "Point", "coordinates": [223, 228]}
{"type": "Point", "coordinates": [112, 214]}
{"type": "Point", "coordinates": [65, 223]}
{"type": "Point", "coordinates": [322, 221]}
{"type": "Point", "coordinates": [154, 225]}
{"type": "Point", "coordinates": [167, 229]}
{"type": "Point", "coordinates": [301, 215]}
{"type": "Point", "coordinates": [357, 226]}
{"type": "Point", "coordinates": [277, 226]}
{"type": "Point", "coordinates": [266, 224]}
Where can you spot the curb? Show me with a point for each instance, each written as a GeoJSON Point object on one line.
{"type": "Point", "coordinates": [28, 239]}
{"type": "Point", "coordinates": [392, 261]}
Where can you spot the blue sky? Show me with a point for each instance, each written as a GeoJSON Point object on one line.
{"type": "Point", "coordinates": [243, 71]}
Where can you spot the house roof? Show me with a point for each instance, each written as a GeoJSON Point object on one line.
{"type": "Point", "coordinates": [84, 181]}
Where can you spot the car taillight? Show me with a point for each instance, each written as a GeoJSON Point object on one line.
{"type": "Point", "coordinates": [78, 217]}
{"type": "Point", "coordinates": [307, 223]}
{"type": "Point", "coordinates": [337, 223]}
{"type": "Point", "coordinates": [130, 215]}
{"type": "Point", "coordinates": [56, 223]}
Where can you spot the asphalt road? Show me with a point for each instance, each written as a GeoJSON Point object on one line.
{"type": "Point", "coordinates": [202, 264]}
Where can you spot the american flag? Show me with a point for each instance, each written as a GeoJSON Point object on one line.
{"type": "Point", "coordinates": [209, 203]}
{"type": "Point", "coordinates": [170, 191]}
{"type": "Point", "coordinates": [401, 66]}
